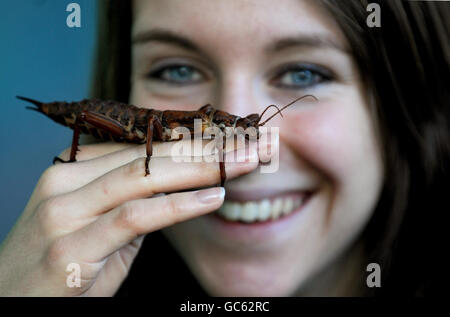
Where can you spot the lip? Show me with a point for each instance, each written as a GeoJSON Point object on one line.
{"type": "Point", "coordinates": [264, 193]}
{"type": "Point", "coordinates": [257, 232]}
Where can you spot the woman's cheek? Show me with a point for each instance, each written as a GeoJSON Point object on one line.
{"type": "Point", "coordinates": [331, 140]}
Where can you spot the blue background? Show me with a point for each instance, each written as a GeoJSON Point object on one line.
{"type": "Point", "coordinates": [41, 58]}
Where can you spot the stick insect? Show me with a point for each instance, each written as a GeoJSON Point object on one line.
{"type": "Point", "coordinates": [120, 122]}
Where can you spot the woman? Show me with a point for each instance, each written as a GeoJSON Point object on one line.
{"type": "Point", "coordinates": [358, 168]}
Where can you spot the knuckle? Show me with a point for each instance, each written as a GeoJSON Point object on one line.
{"type": "Point", "coordinates": [50, 180]}
{"type": "Point", "coordinates": [172, 209]}
{"type": "Point", "coordinates": [128, 217]}
{"type": "Point", "coordinates": [48, 215]}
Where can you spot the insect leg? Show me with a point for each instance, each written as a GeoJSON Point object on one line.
{"type": "Point", "coordinates": [221, 150]}
{"type": "Point", "coordinates": [153, 123]}
{"type": "Point", "coordinates": [74, 148]}
{"type": "Point", "coordinates": [97, 120]}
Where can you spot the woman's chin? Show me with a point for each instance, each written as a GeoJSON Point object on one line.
{"type": "Point", "coordinates": [247, 280]}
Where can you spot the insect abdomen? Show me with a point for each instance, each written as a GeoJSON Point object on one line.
{"type": "Point", "coordinates": [131, 118]}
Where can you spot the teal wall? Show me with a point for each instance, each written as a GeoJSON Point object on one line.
{"type": "Point", "coordinates": [41, 58]}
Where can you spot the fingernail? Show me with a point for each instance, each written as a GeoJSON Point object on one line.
{"type": "Point", "coordinates": [210, 195]}
{"type": "Point", "coordinates": [268, 139]}
{"type": "Point", "coordinates": [247, 154]}
{"type": "Point", "coordinates": [269, 149]}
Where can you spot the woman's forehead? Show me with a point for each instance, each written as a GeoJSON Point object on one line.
{"type": "Point", "coordinates": [245, 22]}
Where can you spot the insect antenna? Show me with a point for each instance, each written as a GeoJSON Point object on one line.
{"type": "Point", "coordinates": [284, 107]}
{"type": "Point", "coordinates": [260, 117]}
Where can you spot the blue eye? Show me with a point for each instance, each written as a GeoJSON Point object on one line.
{"type": "Point", "coordinates": [177, 74]}
{"type": "Point", "coordinates": [298, 77]}
{"type": "Point", "coordinates": [302, 77]}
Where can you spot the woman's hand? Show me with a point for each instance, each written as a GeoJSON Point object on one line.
{"type": "Point", "coordinates": [95, 212]}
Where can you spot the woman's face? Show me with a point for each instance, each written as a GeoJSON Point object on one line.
{"type": "Point", "coordinates": [242, 56]}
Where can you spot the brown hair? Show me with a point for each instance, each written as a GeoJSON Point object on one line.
{"type": "Point", "coordinates": [111, 78]}
{"type": "Point", "coordinates": [405, 66]}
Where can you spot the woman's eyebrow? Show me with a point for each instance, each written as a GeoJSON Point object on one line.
{"type": "Point", "coordinates": [305, 41]}
{"type": "Point", "coordinates": [166, 36]}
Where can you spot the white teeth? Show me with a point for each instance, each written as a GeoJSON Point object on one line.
{"type": "Point", "coordinates": [277, 208]}
{"type": "Point", "coordinates": [230, 211]}
{"type": "Point", "coordinates": [259, 211]}
{"type": "Point", "coordinates": [264, 210]}
{"type": "Point", "coordinates": [249, 212]}
{"type": "Point", "coordinates": [287, 206]}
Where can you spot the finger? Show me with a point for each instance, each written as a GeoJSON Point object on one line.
{"type": "Point", "coordinates": [92, 164]}
{"type": "Point", "coordinates": [91, 151]}
{"type": "Point", "coordinates": [83, 172]}
{"type": "Point", "coordinates": [115, 269]}
{"type": "Point", "coordinates": [166, 175]}
{"type": "Point", "coordinates": [63, 178]}
{"type": "Point", "coordinates": [123, 224]}
{"type": "Point", "coordinates": [128, 153]}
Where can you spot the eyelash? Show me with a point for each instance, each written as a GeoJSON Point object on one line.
{"type": "Point", "coordinates": [316, 75]}
{"type": "Point", "coordinates": [159, 73]}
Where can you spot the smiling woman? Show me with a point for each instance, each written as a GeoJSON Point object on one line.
{"type": "Point", "coordinates": [346, 158]}
{"type": "Point", "coordinates": [357, 166]}
{"type": "Point", "coordinates": [255, 243]}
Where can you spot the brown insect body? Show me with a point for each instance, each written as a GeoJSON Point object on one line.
{"type": "Point", "coordinates": [120, 122]}
{"type": "Point", "coordinates": [133, 119]}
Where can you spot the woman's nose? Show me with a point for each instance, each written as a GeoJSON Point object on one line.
{"type": "Point", "coordinates": [237, 95]}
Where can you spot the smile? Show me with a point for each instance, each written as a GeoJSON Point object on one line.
{"type": "Point", "coordinates": [262, 210]}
